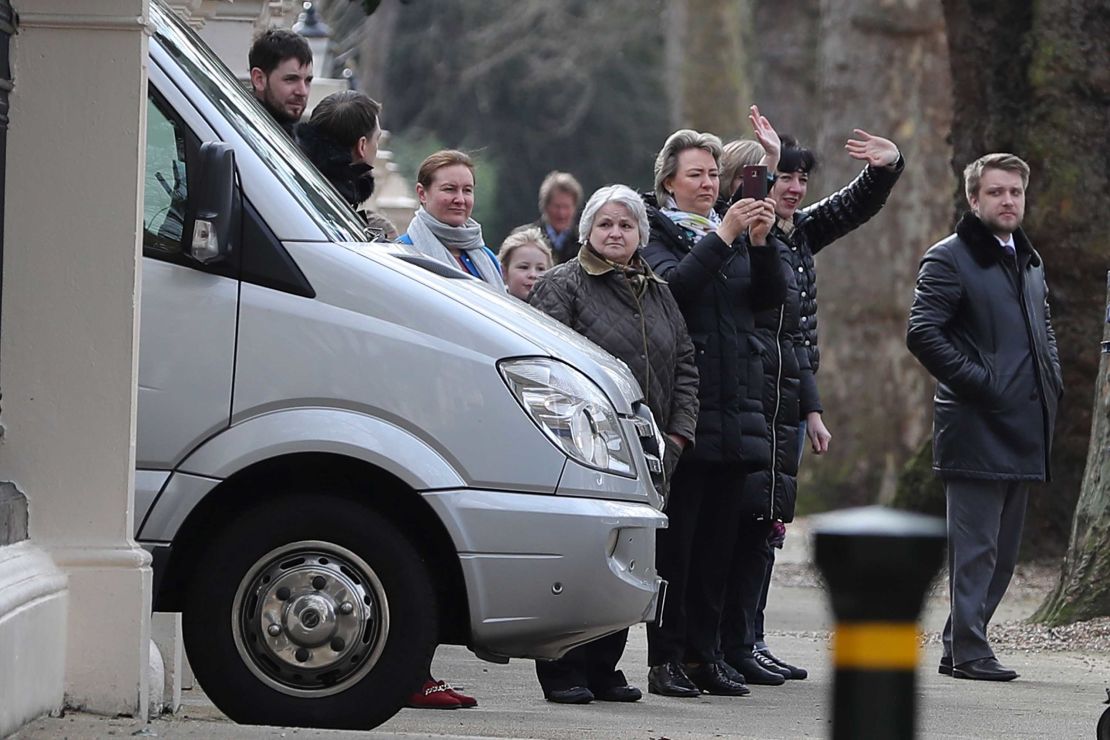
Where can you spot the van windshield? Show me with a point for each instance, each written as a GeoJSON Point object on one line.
{"type": "Point", "coordinates": [256, 126]}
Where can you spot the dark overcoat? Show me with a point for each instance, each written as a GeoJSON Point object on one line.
{"type": "Point", "coordinates": [981, 324]}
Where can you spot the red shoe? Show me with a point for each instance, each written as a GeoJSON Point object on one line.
{"type": "Point", "coordinates": [434, 695]}
{"type": "Point", "coordinates": [466, 702]}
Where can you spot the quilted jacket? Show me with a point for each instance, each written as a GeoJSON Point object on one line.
{"type": "Point", "coordinates": [814, 228]}
{"type": "Point", "coordinates": [772, 492]}
{"type": "Point", "coordinates": [646, 331]}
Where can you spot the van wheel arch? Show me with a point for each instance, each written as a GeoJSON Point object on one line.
{"type": "Point", "coordinates": [386, 494]}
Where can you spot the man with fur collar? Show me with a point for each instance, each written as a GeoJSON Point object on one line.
{"type": "Point", "coordinates": [341, 139]}
{"type": "Point", "coordinates": [981, 325]}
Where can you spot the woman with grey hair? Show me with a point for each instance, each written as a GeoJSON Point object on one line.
{"type": "Point", "coordinates": [720, 269]}
{"type": "Point", "coordinates": [609, 294]}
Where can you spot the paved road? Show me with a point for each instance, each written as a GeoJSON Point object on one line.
{"type": "Point", "coordinates": [1057, 696]}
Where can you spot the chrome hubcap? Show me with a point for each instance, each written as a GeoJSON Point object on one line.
{"type": "Point", "coordinates": [310, 618]}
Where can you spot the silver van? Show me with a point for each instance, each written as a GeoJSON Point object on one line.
{"type": "Point", "coordinates": [348, 455]}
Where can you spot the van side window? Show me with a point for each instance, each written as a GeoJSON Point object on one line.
{"type": "Point", "coordinates": [166, 189]}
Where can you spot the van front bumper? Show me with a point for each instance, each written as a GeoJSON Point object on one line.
{"type": "Point", "coordinates": [546, 573]}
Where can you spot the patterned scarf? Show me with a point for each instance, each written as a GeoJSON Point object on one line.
{"type": "Point", "coordinates": [695, 223]}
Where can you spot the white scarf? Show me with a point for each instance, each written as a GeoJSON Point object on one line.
{"type": "Point", "coordinates": [431, 237]}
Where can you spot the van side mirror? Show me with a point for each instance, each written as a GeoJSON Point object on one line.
{"type": "Point", "coordinates": [214, 201]}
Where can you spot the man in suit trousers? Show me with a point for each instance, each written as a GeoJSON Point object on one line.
{"type": "Point", "coordinates": [981, 325]}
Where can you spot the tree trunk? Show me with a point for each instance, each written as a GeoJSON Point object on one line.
{"type": "Point", "coordinates": [785, 68]}
{"type": "Point", "coordinates": [1084, 588]}
{"type": "Point", "coordinates": [884, 69]}
{"type": "Point", "coordinates": [1025, 80]}
{"type": "Point", "coordinates": [708, 66]}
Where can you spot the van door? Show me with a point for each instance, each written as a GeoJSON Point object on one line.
{"type": "Point", "coordinates": [189, 310]}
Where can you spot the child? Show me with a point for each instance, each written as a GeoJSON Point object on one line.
{"type": "Point", "coordinates": [524, 257]}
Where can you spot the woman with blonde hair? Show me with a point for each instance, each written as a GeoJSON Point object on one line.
{"type": "Point", "coordinates": [721, 270]}
{"type": "Point", "coordinates": [524, 256]}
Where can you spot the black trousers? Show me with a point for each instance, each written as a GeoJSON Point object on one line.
{"type": "Point", "coordinates": [762, 607]}
{"type": "Point", "coordinates": [693, 554]}
{"type": "Point", "coordinates": [746, 589]}
{"type": "Point", "coordinates": [593, 665]}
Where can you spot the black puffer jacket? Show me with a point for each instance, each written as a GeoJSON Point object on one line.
{"type": "Point", "coordinates": [980, 323]}
{"type": "Point", "coordinates": [771, 493]}
{"type": "Point", "coordinates": [719, 287]}
{"type": "Point", "coordinates": [814, 228]}
{"type": "Point", "coordinates": [355, 182]}
{"type": "Point", "coordinates": [644, 330]}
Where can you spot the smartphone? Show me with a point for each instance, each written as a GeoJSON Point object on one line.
{"type": "Point", "coordinates": [754, 181]}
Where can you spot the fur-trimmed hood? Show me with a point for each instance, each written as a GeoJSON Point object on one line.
{"type": "Point", "coordinates": [355, 182]}
{"type": "Point", "coordinates": [984, 245]}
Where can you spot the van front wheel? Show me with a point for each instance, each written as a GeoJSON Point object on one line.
{"type": "Point", "coordinates": [310, 611]}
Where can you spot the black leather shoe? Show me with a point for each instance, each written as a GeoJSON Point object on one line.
{"type": "Point", "coordinates": [984, 669]}
{"type": "Point", "coordinates": [732, 673]}
{"type": "Point", "coordinates": [711, 678]}
{"type": "Point", "coordinates": [756, 673]}
{"type": "Point", "coordinates": [792, 672]}
{"type": "Point", "coordinates": [618, 693]}
{"type": "Point", "coordinates": [945, 667]}
{"type": "Point", "coordinates": [573, 695]}
{"type": "Point", "coordinates": [669, 679]}
{"type": "Point", "coordinates": [769, 665]}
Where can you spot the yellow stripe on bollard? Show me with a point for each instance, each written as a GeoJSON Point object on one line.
{"type": "Point", "coordinates": [877, 646]}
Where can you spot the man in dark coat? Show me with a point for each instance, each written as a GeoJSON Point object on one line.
{"type": "Point", "coordinates": [981, 325]}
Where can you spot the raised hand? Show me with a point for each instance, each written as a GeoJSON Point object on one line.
{"type": "Point", "coordinates": [875, 150]}
{"type": "Point", "coordinates": [765, 133]}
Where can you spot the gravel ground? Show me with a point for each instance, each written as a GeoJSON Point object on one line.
{"type": "Point", "coordinates": [1033, 580]}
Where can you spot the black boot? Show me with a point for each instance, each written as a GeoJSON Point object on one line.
{"type": "Point", "coordinates": [711, 678]}
{"type": "Point", "coordinates": [669, 679]}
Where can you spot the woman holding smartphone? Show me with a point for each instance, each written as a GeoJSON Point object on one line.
{"type": "Point", "coordinates": [770, 493]}
{"type": "Point", "coordinates": [720, 270]}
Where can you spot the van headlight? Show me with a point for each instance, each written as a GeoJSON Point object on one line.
{"type": "Point", "coordinates": [571, 410]}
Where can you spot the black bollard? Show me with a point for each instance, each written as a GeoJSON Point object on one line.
{"type": "Point", "coordinates": [878, 564]}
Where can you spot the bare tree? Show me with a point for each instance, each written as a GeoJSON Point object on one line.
{"type": "Point", "coordinates": [533, 86]}
{"type": "Point", "coordinates": [709, 47]}
{"type": "Point", "coordinates": [1026, 79]}
{"type": "Point", "coordinates": [883, 68]}
{"type": "Point", "coordinates": [1084, 588]}
{"type": "Point", "coordinates": [786, 36]}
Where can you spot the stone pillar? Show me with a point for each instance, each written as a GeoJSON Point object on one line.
{"type": "Point", "coordinates": [229, 29]}
{"type": "Point", "coordinates": [166, 629]}
{"type": "Point", "coordinates": [76, 153]}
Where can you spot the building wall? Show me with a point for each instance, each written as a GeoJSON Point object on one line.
{"type": "Point", "coordinates": [75, 596]}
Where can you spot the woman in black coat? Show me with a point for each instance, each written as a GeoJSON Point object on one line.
{"type": "Point", "coordinates": [769, 494]}
{"type": "Point", "coordinates": [609, 294]}
{"type": "Point", "coordinates": [717, 263]}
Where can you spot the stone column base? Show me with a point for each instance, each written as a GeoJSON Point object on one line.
{"type": "Point", "coordinates": [33, 604]}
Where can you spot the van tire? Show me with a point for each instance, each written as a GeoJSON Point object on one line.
{"type": "Point", "coordinates": [310, 611]}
